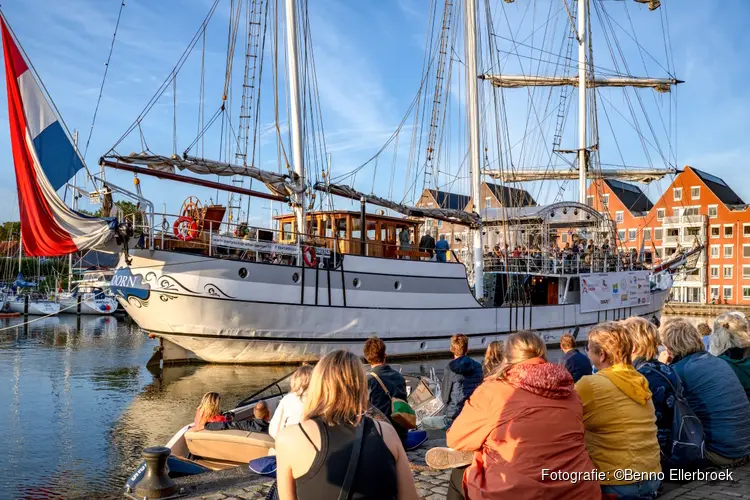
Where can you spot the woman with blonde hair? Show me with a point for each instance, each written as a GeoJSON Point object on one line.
{"type": "Point", "coordinates": [336, 448]}
{"type": "Point", "coordinates": [731, 342]}
{"type": "Point", "coordinates": [506, 425]}
{"type": "Point", "coordinates": [618, 414]}
{"type": "Point", "coordinates": [291, 407]}
{"type": "Point", "coordinates": [712, 391]}
{"type": "Point", "coordinates": [209, 410]}
{"type": "Point", "coordinates": [662, 381]}
{"type": "Point", "coordinates": [493, 356]}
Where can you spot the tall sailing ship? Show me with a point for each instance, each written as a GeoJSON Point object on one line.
{"type": "Point", "coordinates": [213, 288]}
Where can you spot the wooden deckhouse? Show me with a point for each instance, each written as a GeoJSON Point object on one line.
{"type": "Point", "coordinates": [344, 228]}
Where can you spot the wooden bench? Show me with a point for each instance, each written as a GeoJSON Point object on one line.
{"type": "Point", "coordinates": [412, 254]}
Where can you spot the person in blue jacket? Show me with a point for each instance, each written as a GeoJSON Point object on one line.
{"type": "Point", "coordinates": [441, 248]}
{"type": "Point", "coordinates": [577, 363]}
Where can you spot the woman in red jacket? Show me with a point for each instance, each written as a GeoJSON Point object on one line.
{"type": "Point", "coordinates": [525, 427]}
{"type": "Point", "coordinates": [208, 411]}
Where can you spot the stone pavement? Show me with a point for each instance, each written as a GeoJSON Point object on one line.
{"type": "Point", "coordinates": [239, 484]}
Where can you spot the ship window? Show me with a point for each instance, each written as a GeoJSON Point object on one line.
{"type": "Point", "coordinates": [356, 283]}
{"type": "Point", "coordinates": [295, 277]}
{"type": "Point", "coordinates": [243, 272]}
{"type": "Point", "coordinates": [397, 285]}
{"type": "Point", "coordinates": [286, 231]}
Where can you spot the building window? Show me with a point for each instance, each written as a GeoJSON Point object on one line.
{"type": "Point", "coordinates": [728, 271]}
{"type": "Point", "coordinates": [746, 250]}
{"type": "Point", "coordinates": [692, 211]}
{"type": "Point", "coordinates": [487, 202]}
{"type": "Point", "coordinates": [728, 230]}
{"type": "Point", "coordinates": [619, 216]}
{"type": "Point", "coordinates": [715, 250]}
{"type": "Point", "coordinates": [677, 194]}
{"type": "Point", "coordinates": [658, 253]}
{"type": "Point", "coordinates": [714, 271]}
{"type": "Point", "coordinates": [746, 293]}
{"type": "Point", "coordinates": [590, 201]}
{"type": "Point", "coordinates": [746, 271]}
{"type": "Point", "coordinates": [660, 212]}
{"type": "Point", "coordinates": [727, 293]}
{"type": "Point", "coordinates": [658, 233]}
{"type": "Point", "coordinates": [715, 231]}
{"type": "Point", "coordinates": [605, 202]}
{"type": "Point", "coordinates": [695, 192]}
{"type": "Point", "coordinates": [631, 234]}
{"type": "Point", "coordinates": [692, 231]}
{"type": "Point", "coordinates": [713, 211]}
{"type": "Point", "coordinates": [746, 230]}
{"type": "Point", "coordinates": [440, 223]}
{"type": "Point", "coordinates": [728, 251]}
{"type": "Point", "coordinates": [647, 234]}
{"type": "Point", "coordinates": [621, 235]}
{"type": "Point", "coordinates": [714, 292]}
{"type": "Point", "coordinates": [676, 212]}
{"type": "Point", "coordinates": [564, 237]}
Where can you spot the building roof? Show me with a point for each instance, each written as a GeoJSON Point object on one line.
{"type": "Point", "coordinates": [634, 199]}
{"type": "Point", "coordinates": [719, 188]}
{"type": "Point", "coordinates": [511, 197]}
{"type": "Point", "coordinates": [453, 201]}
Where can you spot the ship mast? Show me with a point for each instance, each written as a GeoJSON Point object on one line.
{"type": "Point", "coordinates": [472, 109]}
{"type": "Point", "coordinates": [582, 154]}
{"type": "Point", "coordinates": [295, 114]}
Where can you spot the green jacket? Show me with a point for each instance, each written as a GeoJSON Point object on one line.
{"type": "Point", "coordinates": [739, 359]}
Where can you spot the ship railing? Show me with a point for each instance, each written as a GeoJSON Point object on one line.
{"type": "Point", "coordinates": [245, 242]}
{"type": "Point", "coordinates": [556, 264]}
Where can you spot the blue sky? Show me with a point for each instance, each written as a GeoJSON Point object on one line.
{"type": "Point", "coordinates": [369, 58]}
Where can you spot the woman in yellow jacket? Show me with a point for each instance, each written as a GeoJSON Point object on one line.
{"type": "Point", "coordinates": [618, 416]}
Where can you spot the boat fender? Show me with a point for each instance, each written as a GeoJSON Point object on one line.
{"type": "Point", "coordinates": [308, 255]}
{"type": "Point", "coordinates": [190, 233]}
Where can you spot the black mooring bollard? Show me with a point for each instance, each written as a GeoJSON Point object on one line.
{"type": "Point", "coordinates": [25, 305]}
{"type": "Point", "coordinates": [156, 483]}
{"type": "Point", "coordinates": [79, 305]}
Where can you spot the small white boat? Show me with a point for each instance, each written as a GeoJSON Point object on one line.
{"type": "Point", "coordinates": [37, 307]}
{"type": "Point", "coordinates": [91, 303]}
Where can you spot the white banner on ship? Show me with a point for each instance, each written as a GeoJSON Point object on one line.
{"type": "Point", "coordinates": [261, 246]}
{"type": "Point", "coordinates": [604, 291]}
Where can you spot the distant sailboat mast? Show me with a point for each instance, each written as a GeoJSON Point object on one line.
{"type": "Point", "coordinates": [582, 153]}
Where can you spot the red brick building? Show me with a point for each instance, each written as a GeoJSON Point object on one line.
{"type": "Point", "coordinates": [697, 208]}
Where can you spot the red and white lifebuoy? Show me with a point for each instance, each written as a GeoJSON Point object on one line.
{"type": "Point", "coordinates": [308, 255]}
{"type": "Point", "coordinates": [185, 229]}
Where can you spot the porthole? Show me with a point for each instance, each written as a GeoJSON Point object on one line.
{"type": "Point", "coordinates": [484, 340]}
{"type": "Point", "coordinates": [397, 285]}
{"type": "Point", "coordinates": [422, 345]}
{"type": "Point", "coordinates": [243, 272]}
{"type": "Point", "coordinates": [356, 283]}
{"type": "Point", "coordinates": [295, 277]}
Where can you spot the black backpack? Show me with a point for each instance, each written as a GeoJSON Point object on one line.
{"type": "Point", "coordinates": [688, 442]}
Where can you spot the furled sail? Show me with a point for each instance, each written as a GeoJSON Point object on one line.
{"type": "Point", "coordinates": [282, 185]}
{"type": "Point", "coordinates": [525, 175]}
{"type": "Point", "coordinates": [45, 159]}
{"type": "Point", "coordinates": [444, 214]}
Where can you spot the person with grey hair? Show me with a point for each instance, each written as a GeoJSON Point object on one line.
{"type": "Point", "coordinates": [730, 341]}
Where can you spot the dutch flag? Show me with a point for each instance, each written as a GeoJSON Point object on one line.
{"type": "Point", "coordinates": [45, 159]}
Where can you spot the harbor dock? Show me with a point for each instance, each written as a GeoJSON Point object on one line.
{"type": "Point", "coordinates": [241, 484]}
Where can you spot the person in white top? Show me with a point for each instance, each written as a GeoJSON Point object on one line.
{"type": "Point", "coordinates": [291, 407]}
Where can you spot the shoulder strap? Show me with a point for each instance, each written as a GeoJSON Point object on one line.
{"type": "Point", "coordinates": [308, 437]}
{"type": "Point", "coordinates": [352, 468]}
{"type": "Point", "coordinates": [381, 383]}
{"type": "Point", "coordinates": [677, 390]}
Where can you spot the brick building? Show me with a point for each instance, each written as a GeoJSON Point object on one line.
{"type": "Point", "coordinates": [696, 208]}
{"type": "Point", "coordinates": [492, 196]}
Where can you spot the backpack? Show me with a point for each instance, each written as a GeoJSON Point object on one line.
{"type": "Point", "coordinates": [401, 412]}
{"type": "Point", "coordinates": [688, 442]}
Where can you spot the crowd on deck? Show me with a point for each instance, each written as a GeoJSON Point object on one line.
{"type": "Point", "coordinates": [639, 406]}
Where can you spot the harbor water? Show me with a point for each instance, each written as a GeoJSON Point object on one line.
{"type": "Point", "coordinates": [78, 403]}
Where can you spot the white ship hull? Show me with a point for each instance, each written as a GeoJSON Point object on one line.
{"type": "Point", "coordinates": [36, 308]}
{"type": "Point", "coordinates": [204, 306]}
{"type": "Point", "coordinates": [92, 306]}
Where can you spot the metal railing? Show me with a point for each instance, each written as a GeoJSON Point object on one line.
{"type": "Point", "coordinates": [554, 264]}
